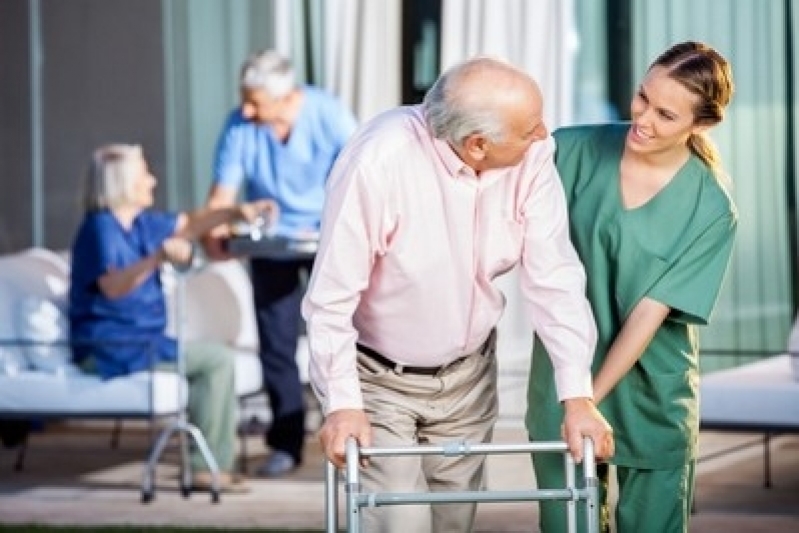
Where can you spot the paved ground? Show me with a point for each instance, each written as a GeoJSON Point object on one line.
{"type": "Point", "coordinates": [72, 476]}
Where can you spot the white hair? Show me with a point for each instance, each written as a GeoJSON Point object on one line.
{"type": "Point", "coordinates": [111, 176]}
{"type": "Point", "coordinates": [268, 71]}
{"type": "Point", "coordinates": [453, 115]}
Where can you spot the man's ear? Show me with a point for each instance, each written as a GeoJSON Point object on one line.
{"type": "Point", "coordinates": [476, 146]}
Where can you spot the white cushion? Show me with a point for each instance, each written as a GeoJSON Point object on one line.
{"type": "Point", "coordinates": [41, 276]}
{"type": "Point", "coordinates": [217, 305]}
{"type": "Point", "coordinates": [33, 289]}
{"type": "Point", "coordinates": [759, 394]}
{"type": "Point", "coordinates": [44, 321]}
{"type": "Point", "coordinates": [248, 373]}
{"type": "Point", "coordinates": [32, 392]}
{"type": "Point", "coordinates": [12, 362]}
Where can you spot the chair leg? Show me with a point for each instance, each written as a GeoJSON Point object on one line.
{"type": "Point", "coordinates": [115, 433]}
{"type": "Point", "coordinates": [767, 459]}
{"type": "Point", "coordinates": [23, 449]}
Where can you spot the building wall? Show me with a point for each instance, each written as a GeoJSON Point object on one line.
{"type": "Point", "coordinates": [101, 72]}
{"type": "Point", "coordinates": [15, 128]}
{"type": "Point", "coordinates": [756, 306]}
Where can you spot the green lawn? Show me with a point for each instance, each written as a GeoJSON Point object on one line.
{"type": "Point", "coordinates": [135, 529]}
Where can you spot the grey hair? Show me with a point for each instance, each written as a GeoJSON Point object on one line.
{"type": "Point", "coordinates": [111, 176]}
{"type": "Point", "coordinates": [268, 71]}
{"type": "Point", "coordinates": [453, 114]}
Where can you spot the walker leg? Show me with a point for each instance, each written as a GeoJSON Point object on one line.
{"type": "Point", "coordinates": [331, 498]}
{"type": "Point", "coordinates": [180, 427]}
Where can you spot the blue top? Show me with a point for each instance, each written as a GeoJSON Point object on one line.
{"type": "Point", "coordinates": [126, 334]}
{"type": "Point", "coordinates": [294, 172]}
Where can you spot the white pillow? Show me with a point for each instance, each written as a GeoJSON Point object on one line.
{"type": "Point", "coordinates": [12, 362]}
{"type": "Point", "coordinates": [793, 347]}
{"type": "Point", "coordinates": [43, 321]}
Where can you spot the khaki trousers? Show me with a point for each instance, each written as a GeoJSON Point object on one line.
{"type": "Point", "coordinates": [458, 404]}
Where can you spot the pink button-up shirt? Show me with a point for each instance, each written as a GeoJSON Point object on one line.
{"type": "Point", "coordinates": [411, 242]}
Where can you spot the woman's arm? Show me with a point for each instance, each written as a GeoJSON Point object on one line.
{"type": "Point", "coordinates": [120, 282]}
{"type": "Point", "coordinates": [194, 224]}
{"type": "Point", "coordinates": [635, 335]}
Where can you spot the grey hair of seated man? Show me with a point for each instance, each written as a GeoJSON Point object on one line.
{"type": "Point", "coordinates": [464, 100]}
{"type": "Point", "coordinates": [110, 178]}
{"type": "Point", "coordinates": [268, 71]}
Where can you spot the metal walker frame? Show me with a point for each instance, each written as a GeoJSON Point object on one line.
{"type": "Point", "coordinates": [181, 425]}
{"type": "Point", "coordinates": [357, 499]}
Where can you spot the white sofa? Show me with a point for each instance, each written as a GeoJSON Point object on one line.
{"type": "Point", "coordinates": [37, 379]}
{"type": "Point", "coordinates": [760, 397]}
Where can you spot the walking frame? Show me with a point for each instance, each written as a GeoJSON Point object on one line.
{"type": "Point", "coordinates": [357, 499]}
{"type": "Point", "coordinates": [181, 424]}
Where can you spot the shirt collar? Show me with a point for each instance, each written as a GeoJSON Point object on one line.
{"type": "Point", "coordinates": [452, 162]}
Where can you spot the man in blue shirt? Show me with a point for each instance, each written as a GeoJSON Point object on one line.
{"type": "Point", "coordinates": [279, 144]}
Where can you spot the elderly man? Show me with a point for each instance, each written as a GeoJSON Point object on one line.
{"type": "Point", "coordinates": [279, 144]}
{"type": "Point", "coordinates": [426, 206]}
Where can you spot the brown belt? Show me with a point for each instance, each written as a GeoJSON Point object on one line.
{"type": "Point", "coordinates": [421, 370]}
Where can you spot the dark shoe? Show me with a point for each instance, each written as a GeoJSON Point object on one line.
{"type": "Point", "coordinates": [228, 483]}
{"type": "Point", "coordinates": [279, 463]}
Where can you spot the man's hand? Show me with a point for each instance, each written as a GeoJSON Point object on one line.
{"type": "Point", "coordinates": [338, 427]}
{"type": "Point", "coordinates": [213, 244]}
{"type": "Point", "coordinates": [266, 211]}
{"type": "Point", "coordinates": [583, 419]}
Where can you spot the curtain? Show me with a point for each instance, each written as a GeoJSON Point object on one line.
{"type": "Point", "coordinates": [539, 37]}
{"type": "Point", "coordinates": [332, 44]}
{"type": "Point", "coordinates": [205, 42]}
{"type": "Point", "coordinates": [591, 95]}
{"type": "Point", "coordinates": [755, 308]}
{"type": "Point", "coordinates": [362, 45]}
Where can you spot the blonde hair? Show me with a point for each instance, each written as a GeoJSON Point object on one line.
{"type": "Point", "coordinates": [707, 74]}
{"type": "Point", "coordinates": [111, 176]}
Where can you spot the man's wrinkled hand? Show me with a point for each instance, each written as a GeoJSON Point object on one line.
{"type": "Point", "coordinates": [338, 427]}
{"type": "Point", "coordinates": [266, 211]}
{"type": "Point", "coordinates": [582, 419]}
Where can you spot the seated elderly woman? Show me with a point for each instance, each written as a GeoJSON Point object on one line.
{"type": "Point", "coordinates": [117, 307]}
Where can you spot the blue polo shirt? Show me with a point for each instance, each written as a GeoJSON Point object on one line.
{"type": "Point", "coordinates": [294, 172]}
{"type": "Point", "coordinates": [122, 335]}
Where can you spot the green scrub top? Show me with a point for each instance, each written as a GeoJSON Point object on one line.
{"type": "Point", "coordinates": [674, 249]}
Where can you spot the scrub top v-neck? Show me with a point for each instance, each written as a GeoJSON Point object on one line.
{"type": "Point", "coordinates": [673, 249]}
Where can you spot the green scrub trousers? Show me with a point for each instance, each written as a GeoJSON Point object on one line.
{"type": "Point", "coordinates": [674, 249]}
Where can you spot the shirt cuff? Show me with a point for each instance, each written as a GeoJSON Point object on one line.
{"type": "Point", "coordinates": [343, 393]}
{"type": "Point", "coordinates": [573, 382]}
